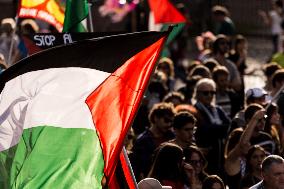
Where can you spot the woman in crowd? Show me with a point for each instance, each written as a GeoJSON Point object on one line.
{"type": "Point", "coordinates": [254, 157]}
{"type": "Point", "coordinates": [194, 156]}
{"type": "Point", "coordinates": [169, 168]}
{"type": "Point", "coordinates": [213, 182]}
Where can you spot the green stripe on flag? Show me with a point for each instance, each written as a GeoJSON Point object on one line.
{"type": "Point", "coordinates": [52, 157]}
{"type": "Point", "coordinates": [75, 12]}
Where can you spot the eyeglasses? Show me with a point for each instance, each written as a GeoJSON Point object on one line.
{"type": "Point", "coordinates": [195, 162]}
{"type": "Point", "coordinates": [207, 93]}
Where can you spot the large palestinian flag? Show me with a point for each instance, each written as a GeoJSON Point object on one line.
{"type": "Point", "coordinates": [64, 112]}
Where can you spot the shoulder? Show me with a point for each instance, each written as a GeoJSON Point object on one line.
{"type": "Point", "coordinates": [258, 186]}
{"type": "Point", "coordinates": [146, 135]}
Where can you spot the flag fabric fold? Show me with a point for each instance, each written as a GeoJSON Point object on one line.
{"type": "Point", "coordinates": [165, 12]}
{"type": "Point", "coordinates": [75, 12]}
{"type": "Point", "coordinates": [64, 112]}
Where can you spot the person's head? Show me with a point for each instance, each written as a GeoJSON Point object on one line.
{"type": "Point", "coordinates": [29, 26]}
{"type": "Point", "coordinates": [254, 158]}
{"type": "Point", "coordinates": [7, 26]}
{"type": "Point", "coordinates": [192, 65]}
{"type": "Point", "coordinates": [221, 45]}
{"type": "Point", "coordinates": [190, 85]}
{"type": "Point", "coordinates": [168, 162]}
{"type": "Point", "coordinates": [240, 43]}
{"type": "Point", "coordinates": [151, 183]}
{"type": "Point", "coordinates": [184, 125]}
{"type": "Point", "coordinates": [166, 65]}
{"type": "Point", "coordinates": [174, 97]}
{"type": "Point", "coordinates": [186, 108]}
{"type": "Point", "coordinates": [221, 77]}
{"type": "Point", "coordinates": [278, 79]}
{"type": "Point", "coordinates": [272, 169]}
{"type": "Point", "coordinates": [250, 111]}
{"type": "Point", "coordinates": [213, 182]}
{"type": "Point", "coordinates": [201, 70]}
{"type": "Point", "coordinates": [210, 63]}
{"type": "Point", "coordinates": [219, 12]}
{"type": "Point", "coordinates": [256, 95]}
{"type": "Point", "coordinates": [161, 116]}
{"type": "Point", "coordinates": [273, 117]}
{"type": "Point", "coordinates": [205, 91]}
{"type": "Point", "coordinates": [269, 69]}
{"type": "Point", "coordinates": [195, 157]}
{"type": "Point", "coordinates": [278, 5]}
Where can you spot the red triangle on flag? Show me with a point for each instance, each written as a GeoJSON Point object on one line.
{"type": "Point", "coordinates": [164, 12]}
{"type": "Point", "coordinates": [115, 102]}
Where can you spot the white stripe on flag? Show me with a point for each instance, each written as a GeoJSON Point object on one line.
{"type": "Point", "coordinates": [53, 97]}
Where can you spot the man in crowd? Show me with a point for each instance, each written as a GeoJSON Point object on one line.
{"type": "Point", "coordinates": [272, 169]}
{"type": "Point", "coordinates": [161, 117]}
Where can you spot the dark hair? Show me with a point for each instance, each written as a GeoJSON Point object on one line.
{"type": "Point", "coordinates": [210, 180]}
{"type": "Point", "coordinates": [220, 10]}
{"type": "Point", "coordinates": [219, 70]}
{"type": "Point", "coordinates": [161, 110]}
{"type": "Point", "coordinates": [279, 3]}
{"type": "Point", "coordinates": [167, 163]}
{"type": "Point", "coordinates": [210, 64]}
{"type": "Point", "coordinates": [250, 111]}
{"type": "Point", "coordinates": [200, 70]}
{"type": "Point", "coordinates": [249, 155]}
{"type": "Point", "coordinates": [269, 160]}
{"type": "Point", "coordinates": [193, 65]}
{"type": "Point", "coordinates": [170, 65]}
{"type": "Point", "coordinates": [215, 46]}
{"type": "Point", "coordinates": [271, 68]}
{"type": "Point", "coordinates": [174, 95]}
{"type": "Point", "coordinates": [272, 109]}
{"type": "Point", "coordinates": [188, 153]}
{"type": "Point", "coordinates": [182, 118]}
{"type": "Point", "coordinates": [277, 77]}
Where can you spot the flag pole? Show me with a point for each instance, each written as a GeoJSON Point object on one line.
{"type": "Point", "coordinates": [129, 166]}
{"type": "Point", "coordinates": [90, 17]}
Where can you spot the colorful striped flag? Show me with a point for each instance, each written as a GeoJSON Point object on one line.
{"type": "Point", "coordinates": [47, 10]}
{"type": "Point", "coordinates": [64, 112]}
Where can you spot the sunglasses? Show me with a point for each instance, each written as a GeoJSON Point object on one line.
{"type": "Point", "coordinates": [207, 93]}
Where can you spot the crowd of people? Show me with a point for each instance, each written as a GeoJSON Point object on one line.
{"type": "Point", "coordinates": [211, 132]}
{"type": "Point", "coordinates": [201, 131]}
